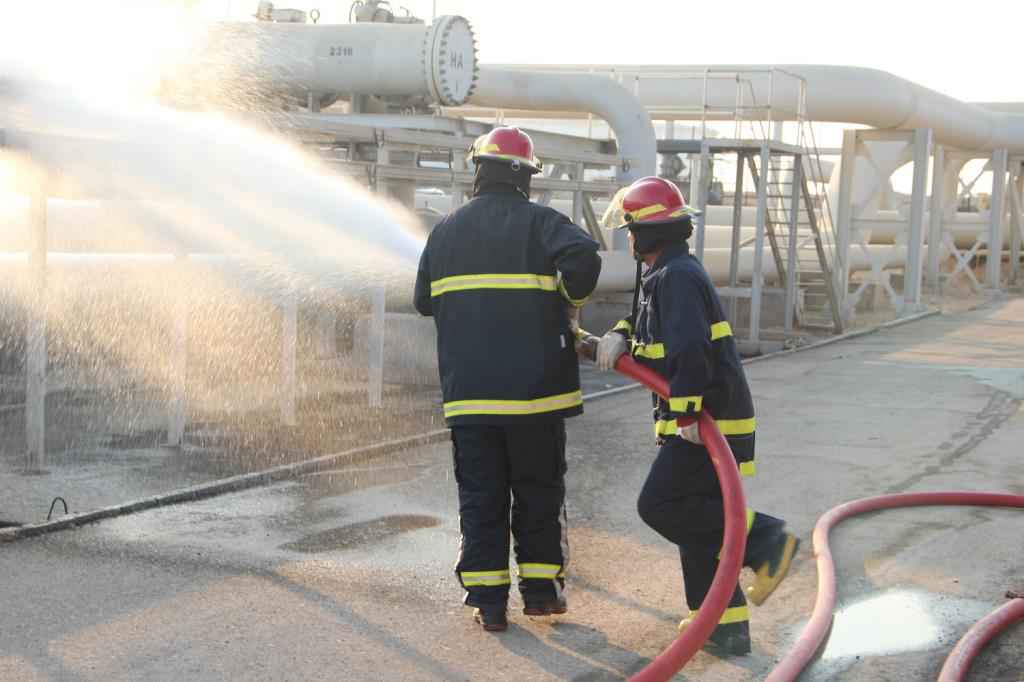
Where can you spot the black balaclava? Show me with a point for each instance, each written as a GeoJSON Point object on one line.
{"type": "Point", "coordinates": [498, 175]}
{"type": "Point", "coordinates": [650, 238]}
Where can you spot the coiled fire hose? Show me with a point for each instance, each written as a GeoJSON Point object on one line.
{"type": "Point", "coordinates": [730, 562]}
{"type": "Point", "coordinates": [817, 628]}
{"type": "Point", "coordinates": [672, 660]}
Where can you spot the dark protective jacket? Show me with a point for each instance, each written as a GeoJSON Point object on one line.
{"type": "Point", "coordinates": [497, 275]}
{"type": "Point", "coordinates": [681, 332]}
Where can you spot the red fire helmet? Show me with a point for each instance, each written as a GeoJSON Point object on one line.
{"type": "Point", "coordinates": [510, 145]}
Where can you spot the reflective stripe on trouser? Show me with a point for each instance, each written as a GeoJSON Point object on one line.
{"type": "Point", "coordinates": [732, 614]}
{"type": "Point", "coordinates": [485, 578]}
{"type": "Point", "coordinates": [493, 465]}
{"type": "Point", "coordinates": [668, 428]}
{"type": "Point", "coordinates": [682, 501]}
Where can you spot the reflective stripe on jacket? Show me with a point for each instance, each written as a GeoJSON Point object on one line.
{"type": "Point", "coordinates": [681, 332]}
{"type": "Point", "coordinates": [497, 275]}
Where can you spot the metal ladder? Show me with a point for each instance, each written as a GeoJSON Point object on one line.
{"type": "Point", "coordinates": [812, 240]}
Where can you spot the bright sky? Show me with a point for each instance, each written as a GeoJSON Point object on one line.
{"type": "Point", "coordinates": [969, 50]}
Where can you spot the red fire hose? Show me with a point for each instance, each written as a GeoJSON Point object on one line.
{"type": "Point", "coordinates": [672, 660]}
{"type": "Point", "coordinates": [730, 562]}
{"type": "Point", "coordinates": [959, 661]}
{"type": "Point", "coordinates": [814, 633]}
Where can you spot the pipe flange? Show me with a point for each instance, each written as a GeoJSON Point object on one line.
{"type": "Point", "coordinates": [450, 67]}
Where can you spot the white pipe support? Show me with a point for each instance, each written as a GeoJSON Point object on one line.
{"type": "Point", "coordinates": [1017, 225]}
{"type": "Point", "coordinates": [844, 219]}
{"type": "Point", "coordinates": [936, 212]}
{"type": "Point", "coordinates": [993, 270]}
{"type": "Point", "coordinates": [757, 280]}
{"type": "Point", "coordinates": [922, 141]}
{"type": "Point", "coordinates": [792, 274]}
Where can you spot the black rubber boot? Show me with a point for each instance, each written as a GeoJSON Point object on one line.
{"type": "Point", "coordinates": [491, 618]}
{"type": "Point", "coordinates": [770, 573]}
{"type": "Point", "coordinates": [545, 607]}
{"type": "Point", "coordinates": [732, 639]}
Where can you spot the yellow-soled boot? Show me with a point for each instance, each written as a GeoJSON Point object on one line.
{"type": "Point", "coordinates": [731, 636]}
{"type": "Point", "coordinates": [768, 575]}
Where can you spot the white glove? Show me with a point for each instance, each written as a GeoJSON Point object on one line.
{"type": "Point", "coordinates": [690, 433]}
{"type": "Point", "coordinates": [609, 349]}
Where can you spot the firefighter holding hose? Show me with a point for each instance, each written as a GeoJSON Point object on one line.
{"type": "Point", "coordinates": [678, 329]}
{"type": "Point", "coordinates": [501, 277]}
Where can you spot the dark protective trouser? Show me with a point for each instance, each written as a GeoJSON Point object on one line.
{"type": "Point", "coordinates": [681, 500]}
{"type": "Point", "coordinates": [524, 462]}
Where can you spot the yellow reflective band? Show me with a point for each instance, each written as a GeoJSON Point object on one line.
{"type": "Point", "coordinates": [492, 281]}
{"type": "Point", "coordinates": [653, 351]}
{"type": "Point", "coordinates": [728, 427]}
{"type": "Point", "coordinates": [575, 302]}
{"type": "Point", "coordinates": [624, 326]}
{"type": "Point", "coordinates": [748, 468]}
{"type": "Point", "coordinates": [720, 330]}
{"type": "Point", "coordinates": [736, 427]}
{"type": "Point", "coordinates": [545, 571]}
{"type": "Point", "coordinates": [485, 578]}
{"type": "Point", "coordinates": [750, 516]}
{"type": "Point", "coordinates": [689, 403]}
{"type": "Point", "coordinates": [665, 427]}
{"type": "Point", "coordinates": [513, 407]}
{"type": "Point", "coordinates": [645, 211]}
{"type": "Point", "coordinates": [735, 614]}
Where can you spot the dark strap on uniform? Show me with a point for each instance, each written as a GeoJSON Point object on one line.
{"type": "Point", "coordinates": [636, 295]}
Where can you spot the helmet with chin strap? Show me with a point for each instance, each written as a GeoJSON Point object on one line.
{"type": "Point", "coordinates": [654, 211]}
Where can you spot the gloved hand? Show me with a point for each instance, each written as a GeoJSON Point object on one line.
{"type": "Point", "coordinates": [689, 431]}
{"type": "Point", "coordinates": [611, 346]}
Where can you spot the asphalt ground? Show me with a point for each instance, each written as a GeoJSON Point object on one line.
{"type": "Point", "coordinates": [347, 574]}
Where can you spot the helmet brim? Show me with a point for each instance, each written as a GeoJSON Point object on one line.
{"type": "Point", "coordinates": [687, 212]}
{"type": "Point", "coordinates": [534, 166]}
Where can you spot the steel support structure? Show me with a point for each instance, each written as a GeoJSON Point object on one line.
{"type": "Point", "coordinates": [792, 264]}
{"type": "Point", "coordinates": [844, 222]}
{"type": "Point", "coordinates": [737, 232]}
{"type": "Point", "coordinates": [993, 269]}
{"type": "Point", "coordinates": [700, 188]}
{"type": "Point", "coordinates": [936, 216]}
{"type": "Point", "coordinates": [757, 276]}
{"type": "Point", "coordinates": [1016, 186]}
{"type": "Point", "coordinates": [912, 273]}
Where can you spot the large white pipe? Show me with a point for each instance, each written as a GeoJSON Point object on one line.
{"type": "Point", "coordinates": [436, 61]}
{"type": "Point", "coordinates": [843, 94]}
{"type": "Point", "coordinates": [524, 89]}
{"type": "Point", "coordinates": [618, 269]}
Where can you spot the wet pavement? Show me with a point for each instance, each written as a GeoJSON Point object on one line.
{"type": "Point", "coordinates": [348, 574]}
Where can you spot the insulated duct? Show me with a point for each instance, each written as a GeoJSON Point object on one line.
{"type": "Point", "coordinates": [841, 94]}
{"type": "Point", "coordinates": [413, 60]}
{"type": "Point", "coordinates": [502, 88]}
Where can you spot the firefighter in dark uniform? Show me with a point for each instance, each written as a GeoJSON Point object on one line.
{"type": "Point", "coordinates": [677, 328]}
{"type": "Point", "coordinates": [502, 278]}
